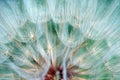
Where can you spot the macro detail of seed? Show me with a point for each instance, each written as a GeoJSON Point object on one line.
{"type": "Point", "coordinates": [54, 73]}
{"type": "Point", "coordinates": [59, 39]}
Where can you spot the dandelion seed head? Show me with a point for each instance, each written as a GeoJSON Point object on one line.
{"type": "Point", "coordinates": [60, 39]}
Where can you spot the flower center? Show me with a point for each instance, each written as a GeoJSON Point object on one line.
{"type": "Point", "coordinates": [54, 73]}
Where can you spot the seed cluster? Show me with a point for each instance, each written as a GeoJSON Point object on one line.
{"type": "Point", "coordinates": [54, 72]}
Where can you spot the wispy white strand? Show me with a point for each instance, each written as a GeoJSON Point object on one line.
{"type": "Point", "coordinates": [64, 65]}
{"type": "Point", "coordinates": [18, 70]}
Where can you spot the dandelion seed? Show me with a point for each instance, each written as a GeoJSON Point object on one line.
{"type": "Point", "coordinates": [59, 39]}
